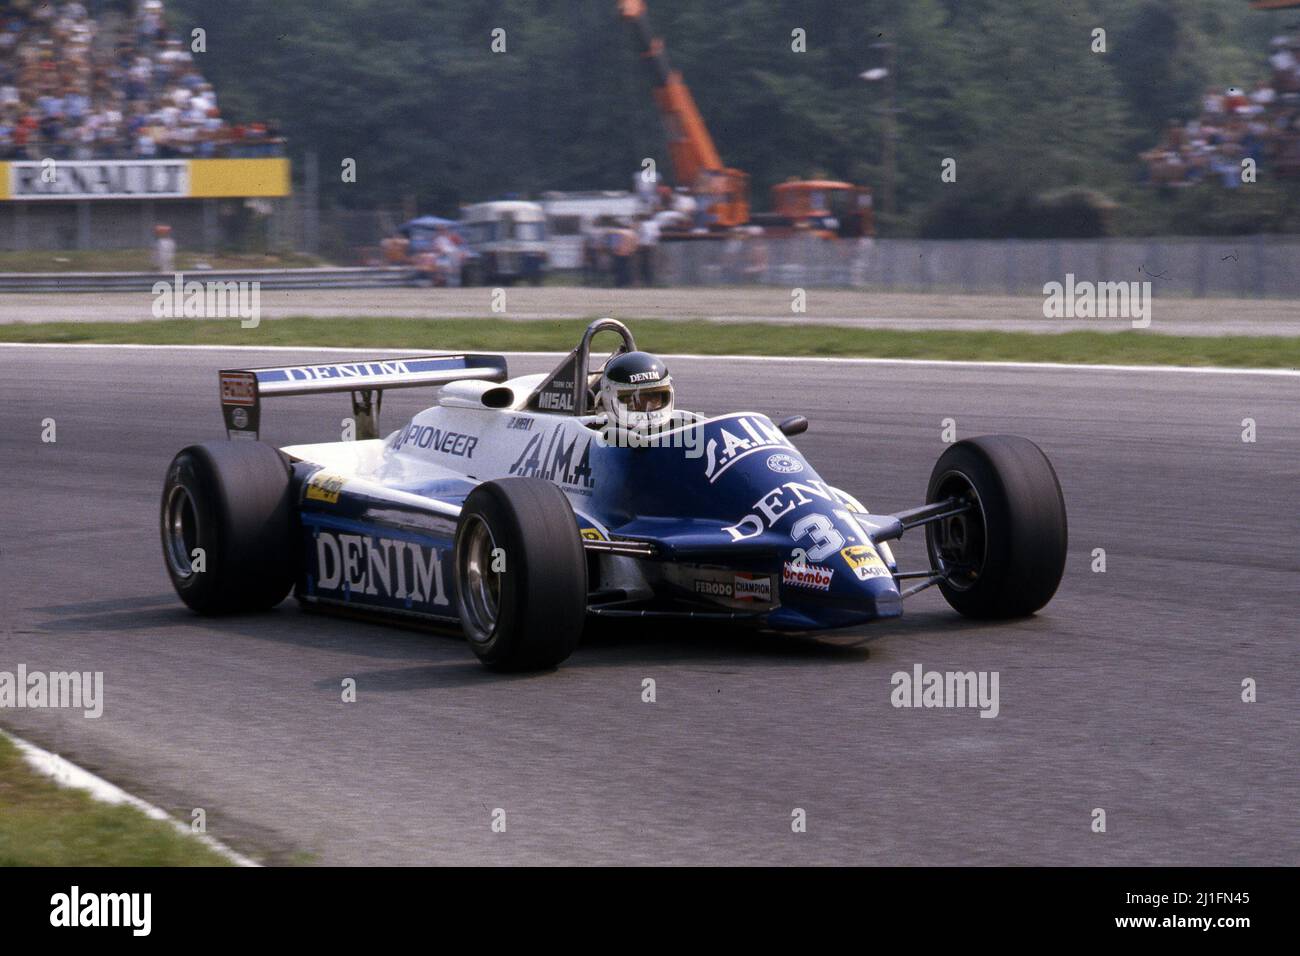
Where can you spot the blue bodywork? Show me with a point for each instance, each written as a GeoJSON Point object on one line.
{"type": "Point", "coordinates": [723, 495]}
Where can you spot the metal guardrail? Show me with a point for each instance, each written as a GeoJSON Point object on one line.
{"type": "Point", "coordinates": [352, 278]}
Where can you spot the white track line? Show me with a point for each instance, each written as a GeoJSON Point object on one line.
{"type": "Point", "coordinates": [67, 774]}
{"type": "Point", "coordinates": [834, 360]}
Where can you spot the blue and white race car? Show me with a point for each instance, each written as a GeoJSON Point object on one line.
{"type": "Point", "coordinates": [518, 507]}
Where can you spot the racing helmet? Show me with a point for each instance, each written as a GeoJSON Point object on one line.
{"type": "Point", "coordinates": [636, 391]}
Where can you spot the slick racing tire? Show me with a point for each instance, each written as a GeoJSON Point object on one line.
{"type": "Point", "coordinates": [230, 501]}
{"type": "Point", "coordinates": [521, 574]}
{"type": "Point", "coordinates": [1005, 556]}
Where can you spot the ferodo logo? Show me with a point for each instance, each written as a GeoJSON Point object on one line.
{"type": "Point", "coordinates": [713, 588]}
{"type": "Point", "coordinates": [863, 561]}
{"type": "Point", "coordinates": [742, 587]}
{"type": "Point", "coordinates": [811, 576]}
{"type": "Point", "coordinates": [366, 565]}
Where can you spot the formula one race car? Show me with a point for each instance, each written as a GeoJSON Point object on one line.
{"type": "Point", "coordinates": [519, 507]}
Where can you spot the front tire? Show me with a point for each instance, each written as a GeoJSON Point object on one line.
{"type": "Point", "coordinates": [227, 527]}
{"type": "Point", "coordinates": [1006, 555]}
{"type": "Point", "coordinates": [521, 574]}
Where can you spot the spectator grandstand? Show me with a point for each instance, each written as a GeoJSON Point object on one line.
{"type": "Point", "coordinates": [1262, 124]}
{"type": "Point", "coordinates": [109, 80]}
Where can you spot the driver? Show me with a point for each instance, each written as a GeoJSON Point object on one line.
{"type": "Point", "coordinates": [636, 391]}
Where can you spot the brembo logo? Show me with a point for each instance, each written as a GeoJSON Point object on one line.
{"type": "Point", "coordinates": [361, 564]}
{"type": "Point", "coordinates": [807, 576]}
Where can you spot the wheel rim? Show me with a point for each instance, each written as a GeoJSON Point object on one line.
{"type": "Point", "coordinates": [181, 527]}
{"type": "Point", "coordinates": [959, 545]}
{"type": "Point", "coordinates": [479, 585]}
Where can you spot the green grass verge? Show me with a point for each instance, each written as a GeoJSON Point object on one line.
{"type": "Point", "coordinates": [497, 334]}
{"type": "Point", "coordinates": [43, 824]}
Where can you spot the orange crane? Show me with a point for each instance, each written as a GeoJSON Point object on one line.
{"type": "Point", "coordinates": [722, 190]}
{"type": "Point", "coordinates": [826, 208]}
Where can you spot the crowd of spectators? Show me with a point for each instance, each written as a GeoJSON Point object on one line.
{"type": "Point", "coordinates": [109, 80]}
{"type": "Point", "coordinates": [1261, 124]}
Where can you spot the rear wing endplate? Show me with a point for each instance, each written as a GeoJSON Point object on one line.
{"type": "Point", "coordinates": [242, 390]}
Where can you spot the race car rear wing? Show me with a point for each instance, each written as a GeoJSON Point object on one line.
{"type": "Point", "coordinates": [242, 390]}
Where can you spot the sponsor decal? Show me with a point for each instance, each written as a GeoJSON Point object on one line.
{"type": "Point", "coordinates": [556, 394]}
{"type": "Point", "coordinates": [815, 577]}
{"type": "Point", "coordinates": [784, 464]}
{"type": "Point", "coordinates": [753, 587]}
{"type": "Point", "coordinates": [357, 564]}
{"type": "Point", "coordinates": [238, 388]}
{"type": "Point", "coordinates": [520, 423]}
{"type": "Point", "coordinates": [737, 438]}
{"type": "Point", "coordinates": [714, 588]}
{"type": "Point", "coordinates": [239, 403]}
{"type": "Point", "coordinates": [863, 561]}
{"type": "Point", "coordinates": [108, 179]}
{"type": "Point", "coordinates": [556, 458]}
{"type": "Point", "coordinates": [776, 504]}
{"type": "Point", "coordinates": [737, 586]}
{"type": "Point", "coordinates": [325, 487]}
{"type": "Point", "coordinates": [651, 376]}
{"type": "Point", "coordinates": [319, 373]}
{"type": "Point", "coordinates": [406, 371]}
{"type": "Point", "coordinates": [557, 400]}
{"type": "Point", "coordinates": [593, 534]}
{"type": "Point", "coordinates": [449, 443]}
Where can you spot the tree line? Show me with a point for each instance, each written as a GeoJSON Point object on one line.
{"type": "Point", "coordinates": [1045, 129]}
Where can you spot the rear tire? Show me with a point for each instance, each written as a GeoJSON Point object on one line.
{"type": "Point", "coordinates": [232, 501]}
{"type": "Point", "coordinates": [1007, 555]}
{"type": "Point", "coordinates": [521, 574]}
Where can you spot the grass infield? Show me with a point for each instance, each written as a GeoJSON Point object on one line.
{"type": "Point", "coordinates": [706, 338]}
{"type": "Point", "coordinates": [43, 824]}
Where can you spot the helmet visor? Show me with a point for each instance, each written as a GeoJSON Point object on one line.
{"type": "Point", "coordinates": [649, 399]}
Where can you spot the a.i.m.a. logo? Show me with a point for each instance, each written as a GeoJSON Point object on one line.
{"type": "Point", "coordinates": [738, 437]}
{"type": "Point", "coordinates": [556, 458]}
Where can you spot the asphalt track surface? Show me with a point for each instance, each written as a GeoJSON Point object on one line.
{"type": "Point", "coordinates": [863, 309]}
{"type": "Point", "coordinates": [1124, 694]}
